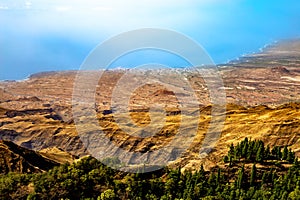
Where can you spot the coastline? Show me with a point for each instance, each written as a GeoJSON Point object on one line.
{"type": "Point", "coordinates": [243, 58]}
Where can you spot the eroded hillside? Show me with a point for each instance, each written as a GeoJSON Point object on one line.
{"type": "Point", "coordinates": [262, 92]}
{"type": "Point", "coordinates": [14, 158]}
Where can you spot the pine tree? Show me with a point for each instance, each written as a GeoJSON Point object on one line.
{"type": "Point", "coordinates": [231, 151]}
{"type": "Point", "coordinates": [232, 195]}
{"type": "Point", "coordinates": [290, 156]}
{"type": "Point", "coordinates": [219, 176]}
{"type": "Point", "coordinates": [296, 163]}
{"type": "Point", "coordinates": [273, 177]}
{"type": "Point", "coordinates": [285, 153]}
{"type": "Point", "coordinates": [267, 152]}
{"type": "Point", "coordinates": [253, 175]}
{"type": "Point", "coordinates": [249, 154]}
{"type": "Point", "coordinates": [237, 152]}
{"type": "Point", "coordinates": [264, 179]}
{"type": "Point", "coordinates": [201, 172]}
{"type": "Point", "coordinates": [278, 153]}
{"type": "Point", "coordinates": [212, 182]}
{"type": "Point", "coordinates": [260, 154]}
{"type": "Point", "coordinates": [245, 149]}
{"type": "Point", "coordinates": [225, 159]}
{"type": "Point", "coordinates": [241, 177]}
{"type": "Point", "coordinates": [230, 161]}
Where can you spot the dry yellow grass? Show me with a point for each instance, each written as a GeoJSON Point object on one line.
{"type": "Point", "coordinates": [57, 140]}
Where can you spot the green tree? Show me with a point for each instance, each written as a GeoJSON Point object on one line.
{"type": "Point", "coordinates": [253, 175]}
{"type": "Point", "coordinates": [264, 179]}
{"type": "Point", "coordinates": [245, 149]}
{"type": "Point", "coordinates": [260, 154]}
{"type": "Point", "coordinates": [241, 177]}
{"type": "Point", "coordinates": [231, 150]}
{"type": "Point", "coordinates": [226, 159]}
{"type": "Point", "coordinates": [290, 156]}
{"type": "Point", "coordinates": [285, 153]}
{"type": "Point", "coordinates": [107, 195]}
{"type": "Point", "coordinates": [267, 152]}
{"type": "Point", "coordinates": [295, 195]}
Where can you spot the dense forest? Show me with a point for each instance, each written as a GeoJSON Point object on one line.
{"type": "Point", "coordinates": [250, 170]}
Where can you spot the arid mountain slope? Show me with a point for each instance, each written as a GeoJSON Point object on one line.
{"type": "Point", "coordinates": [14, 158]}
{"type": "Point", "coordinates": [263, 92]}
{"type": "Point", "coordinates": [275, 126]}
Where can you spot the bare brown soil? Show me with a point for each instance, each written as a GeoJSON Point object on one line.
{"type": "Point", "coordinates": [263, 93]}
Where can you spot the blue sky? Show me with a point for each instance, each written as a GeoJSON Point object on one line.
{"type": "Point", "coordinates": [43, 35]}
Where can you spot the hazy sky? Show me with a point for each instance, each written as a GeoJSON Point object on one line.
{"type": "Point", "coordinates": [40, 35]}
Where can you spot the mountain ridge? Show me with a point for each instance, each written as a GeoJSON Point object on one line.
{"type": "Point", "coordinates": [14, 158]}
